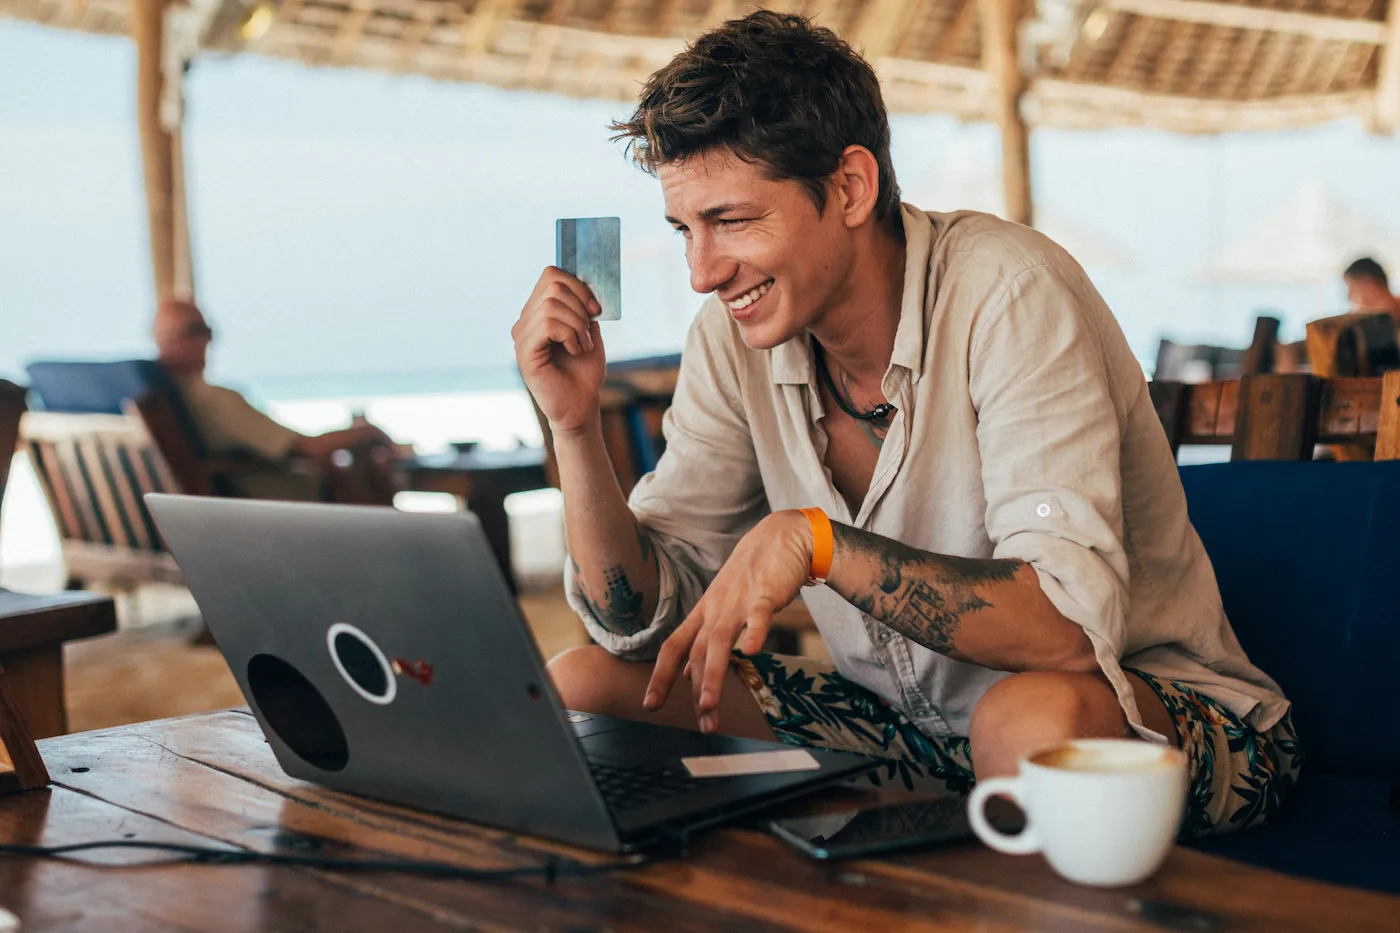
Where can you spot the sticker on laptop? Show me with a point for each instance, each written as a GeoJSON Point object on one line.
{"type": "Point", "coordinates": [710, 766]}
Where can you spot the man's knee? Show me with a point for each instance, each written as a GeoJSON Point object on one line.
{"type": "Point", "coordinates": [1036, 708]}
{"type": "Point", "coordinates": [591, 679]}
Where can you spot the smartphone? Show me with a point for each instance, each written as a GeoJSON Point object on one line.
{"type": "Point", "coordinates": [872, 830]}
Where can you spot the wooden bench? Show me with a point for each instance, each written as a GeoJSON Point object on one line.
{"type": "Point", "coordinates": [94, 469]}
{"type": "Point", "coordinates": [1283, 416]}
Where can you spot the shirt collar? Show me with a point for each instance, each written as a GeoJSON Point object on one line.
{"type": "Point", "coordinates": [792, 360]}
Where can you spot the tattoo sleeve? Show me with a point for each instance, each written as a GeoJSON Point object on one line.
{"type": "Point", "coordinates": [619, 608]}
{"type": "Point", "coordinates": [923, 596]}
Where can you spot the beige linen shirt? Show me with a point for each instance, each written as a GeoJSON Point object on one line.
{"type": "Point", "coordinates": [1024, 430]}
{"type": "Point", "coordinates": [229, 423]}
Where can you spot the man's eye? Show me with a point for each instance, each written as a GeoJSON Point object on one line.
{"type": "Point", "coordinates": [733, 221]}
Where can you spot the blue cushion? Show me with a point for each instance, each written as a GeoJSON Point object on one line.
{"type": "Point", "coordinates": [95, 388]}
{"type": "Point", "coordinates": [1332, 827]}
{"type": "Point", "coordinates": [1307, 557]}
{"type": "Point", "coordinates": [100, 388]}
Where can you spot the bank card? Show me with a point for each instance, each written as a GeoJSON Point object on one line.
{"type": "Point", "coordinates": [590, 249]}
{"type": "Point", "coordinates": [707, 766]}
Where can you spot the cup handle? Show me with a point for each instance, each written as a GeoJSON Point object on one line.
{"type": "Point", "coordinates": [1023, 843]}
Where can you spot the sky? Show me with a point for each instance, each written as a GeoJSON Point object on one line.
{"type": "Point", "coordinates": [356, 223]}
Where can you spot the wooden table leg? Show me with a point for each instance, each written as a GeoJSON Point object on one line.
{"type": "Point", "coordinates": [36, 685]}
{"type": "Point", "coordinates": [490, 508]}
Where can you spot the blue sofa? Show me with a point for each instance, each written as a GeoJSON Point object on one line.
{"type": "Point", "coordinates": [1308, 559]}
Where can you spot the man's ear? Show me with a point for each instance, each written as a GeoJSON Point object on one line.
{"type": "Point", "coordinates": [857, 183]}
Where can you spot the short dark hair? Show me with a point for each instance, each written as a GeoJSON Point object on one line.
{"type": "Point", "coordinates": [1367, 268]}
{"type": "Point", "coordinates": [775, 90]}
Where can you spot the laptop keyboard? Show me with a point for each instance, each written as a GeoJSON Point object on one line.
{"type": "Point", "coordinates": [630, 788]}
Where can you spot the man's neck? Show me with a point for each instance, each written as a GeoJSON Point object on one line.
{"type": "Point", "coordinates": [857, 333]}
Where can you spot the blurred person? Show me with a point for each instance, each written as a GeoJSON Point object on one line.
{"type": "Point", "coordinates": [1368, 287]}
{"type": "Point", "coordinates": [931, 420]}
{"type": "Point", "coordinates": [297, 465]}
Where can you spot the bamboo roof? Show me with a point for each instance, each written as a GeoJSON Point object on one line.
{"type": "Point", "coordinates": [1196, 66]}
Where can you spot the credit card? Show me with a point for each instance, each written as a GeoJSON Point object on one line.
{"type": "Point", "coordinates": [708, 766]}
{"type": "Point", "coordinates": [590, 249]}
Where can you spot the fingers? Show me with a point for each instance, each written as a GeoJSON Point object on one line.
{"type": "Point", "coordinates": [674, 651]}
{"type": "Point", "coordinates": [558, 299]}
{"type": "Point", "coordinates": [757, 626]}
{"type": "Point", "coordinates": [553, 275]}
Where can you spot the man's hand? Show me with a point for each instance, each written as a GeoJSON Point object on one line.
{"type": "Point", "coordinates": [768, 567]}
{"type": "Point", "coordinates": [559, 349]}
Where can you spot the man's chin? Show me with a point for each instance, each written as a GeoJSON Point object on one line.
{"type": "Point", "coordinates": [764, 335]}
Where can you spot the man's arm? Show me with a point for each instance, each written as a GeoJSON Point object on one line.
{"type": "Point", "coordinates": [614, 564]}
{"type": "Point", "coordinates": [992, 613]}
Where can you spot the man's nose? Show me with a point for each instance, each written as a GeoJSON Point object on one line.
{"type": "Point", "coordinates": [709, 267]}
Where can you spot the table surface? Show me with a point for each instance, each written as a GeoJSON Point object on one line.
{"type": "Point", "coordinates": [27, 619]}
{"type": "Point", "coordinates": [478, 460]}
{"type": "Point", "coordinates": [211, 779]}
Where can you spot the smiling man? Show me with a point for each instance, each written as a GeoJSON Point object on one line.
{"type": "Point", "coordinates": [932, 419]}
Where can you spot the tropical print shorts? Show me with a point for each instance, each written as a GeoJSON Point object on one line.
{"type": "Point", "coordinates": [1237, 776]}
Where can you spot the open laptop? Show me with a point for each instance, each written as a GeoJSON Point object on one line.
{"type": "Point", "coordinates": [383, 655]}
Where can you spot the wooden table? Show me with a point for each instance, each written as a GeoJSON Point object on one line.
{"type": "Point", "coordinates": [32, 632]}
{"type": "Point", "coordinates": [211, 779]}
{"type": "Point", "coordinates": [481, 479]}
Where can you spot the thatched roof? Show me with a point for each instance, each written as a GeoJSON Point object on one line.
{"type": "Point", "coordinates": [1184, 65]}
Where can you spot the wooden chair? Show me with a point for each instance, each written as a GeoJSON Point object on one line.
{"type": "Point", "coordinates": [1182, 362]}
{"type": "Point", "coordinates": [94, 470]}
{"type": "Point", "coordinates": [1283, 416]}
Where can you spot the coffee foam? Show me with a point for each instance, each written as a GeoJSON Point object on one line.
{"type": "Point", "coordinates": [1103, 760]}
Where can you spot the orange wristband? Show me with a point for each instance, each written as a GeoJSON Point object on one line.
{"type": "Point", "coordinates": [823, 546]}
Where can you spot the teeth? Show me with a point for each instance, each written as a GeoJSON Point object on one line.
{"type": "Point", "coordinates": [748, 298]}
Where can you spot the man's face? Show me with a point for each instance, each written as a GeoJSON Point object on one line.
{"type": "Point", "coordinates": [183, 338]}
{"type": "Point", "coordinates": [1366, 294]}
{"type": "Point", "coordinates": [758, 243]}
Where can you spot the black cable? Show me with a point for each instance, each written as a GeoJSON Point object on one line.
{"type": "Point", "coordinates": [553, 867]}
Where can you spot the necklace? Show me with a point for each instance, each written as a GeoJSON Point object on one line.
{"type": "Point", "coordinates": [880, 412]}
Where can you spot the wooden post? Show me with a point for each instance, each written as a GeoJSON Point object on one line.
{"type": "Point", "coordinates": [1001, 58]}
{"type": "Point", "coordinates": [160, 150]}
{"type": "Point", "coordinates": [1277, 417]}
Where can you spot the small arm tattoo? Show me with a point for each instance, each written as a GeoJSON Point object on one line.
{"type": "Point", "coordinates": [920, 595]}
{"type": "Point", "coordinates": [619, 610]}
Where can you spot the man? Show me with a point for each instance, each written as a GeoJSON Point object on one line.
{"type": "Point", "coordinates": [1368, 287]}
{"type": "Point", "coordinates": [991, 500]}
{"type": "Point", "coordinates": [229, 425]}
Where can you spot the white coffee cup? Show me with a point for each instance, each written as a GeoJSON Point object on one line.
{"type": "Point", "coordinates": [1105, 812]}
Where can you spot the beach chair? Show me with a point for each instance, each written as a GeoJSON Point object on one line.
{"type": "Point", "coordinates": [94, 469]}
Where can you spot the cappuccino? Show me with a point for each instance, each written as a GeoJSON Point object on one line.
{"type": "Point", "coordinates": [1105, 759]}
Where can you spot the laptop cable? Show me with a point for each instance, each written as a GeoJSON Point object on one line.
{"type": "Point", "coordinates": [552, 868]}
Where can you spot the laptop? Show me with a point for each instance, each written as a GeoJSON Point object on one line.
{"type": "Point", "coordinates": [383, 655]}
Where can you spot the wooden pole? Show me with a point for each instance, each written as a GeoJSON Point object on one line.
{"type": "Point", "coordinates": [1000, 21]}
{"type": "Point", "coordinates": [160, 150]}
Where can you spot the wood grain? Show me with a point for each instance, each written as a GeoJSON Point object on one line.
{"type": "Point", "coordinates": [212, 778]}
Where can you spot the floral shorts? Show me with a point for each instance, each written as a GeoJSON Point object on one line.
{"type": "Point", "coordinates": [1238, 777]}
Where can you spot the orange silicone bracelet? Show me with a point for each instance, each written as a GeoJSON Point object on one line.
{"type": "Point", "coordinates": [823, 545]}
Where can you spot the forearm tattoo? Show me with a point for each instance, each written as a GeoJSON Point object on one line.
{"type": "Point", "coordinates": [620, 608]}
{"type": "Point", "coordinates": [920, 595]}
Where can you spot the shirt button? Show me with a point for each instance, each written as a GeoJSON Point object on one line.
{"type": "Point", "coordinates": [1043, 510]}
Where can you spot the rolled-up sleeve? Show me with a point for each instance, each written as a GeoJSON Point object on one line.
{"type": "Point", "coordinates": [1050, 443]}
{"type": "Point", "coordinates": [703, 496]}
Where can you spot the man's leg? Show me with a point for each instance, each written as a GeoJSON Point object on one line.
{"type": "Point", "coordinates": [591, 680]}
{"type": "Point", "coordinates": [1038, 708]}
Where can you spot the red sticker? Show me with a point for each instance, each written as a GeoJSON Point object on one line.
{"type": "Point", "coordinates": [420, 671]}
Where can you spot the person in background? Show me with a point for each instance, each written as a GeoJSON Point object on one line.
{"type": "Point", "coordinates": [297, 465]}
{"type": "Point", "coordinates": [1368, 287]}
